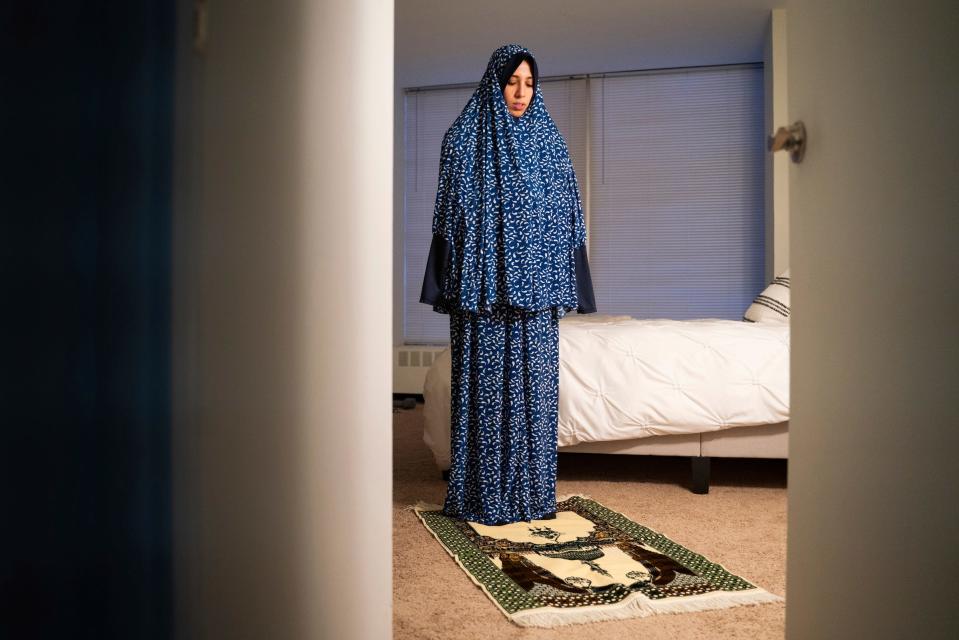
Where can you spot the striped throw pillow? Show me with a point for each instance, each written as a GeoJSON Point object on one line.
{"type": "Point", "coordinates": [772, 305]}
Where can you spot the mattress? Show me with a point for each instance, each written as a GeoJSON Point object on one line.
{"type": "Point", "coordinates": [622, 378]}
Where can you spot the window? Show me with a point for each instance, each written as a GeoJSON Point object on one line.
{"type": "Point", "coordinates": [676, 189]}
{"type": "Point", "coordinates": [670, 167]}
{"type": "Point", "coordinates": [429, 113]}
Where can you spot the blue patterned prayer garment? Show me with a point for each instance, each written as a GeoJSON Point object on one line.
{"type": "Point", "coordinates": [507, 261]}
{"type": "Point", "coordinates": [508, 225]}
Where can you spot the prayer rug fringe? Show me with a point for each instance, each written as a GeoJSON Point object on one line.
{"type": "Point", "coordinates": [636, 606]}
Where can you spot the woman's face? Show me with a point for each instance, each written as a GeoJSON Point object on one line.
{"type": "Point", "coordinates": [519, 89]}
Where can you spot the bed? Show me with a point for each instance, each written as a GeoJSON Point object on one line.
{"type": "Point", "coordinates": [698, 388]}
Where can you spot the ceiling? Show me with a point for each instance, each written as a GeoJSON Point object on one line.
{"type": "Point", "coordinates": [443, 42]}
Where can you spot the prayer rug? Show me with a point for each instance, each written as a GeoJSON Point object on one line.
{"type": "Point", "coordinates": [590, 563]}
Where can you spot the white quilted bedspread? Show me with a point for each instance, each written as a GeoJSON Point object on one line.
{"type": "Point", "coordinates": [623, 378]}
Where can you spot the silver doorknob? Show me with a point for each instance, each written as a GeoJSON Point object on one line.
{"type": "Point", "coordinates": [791, 138]}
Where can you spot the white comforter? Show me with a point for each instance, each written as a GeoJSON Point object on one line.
{"type": "Point", "coordinates": [623, 378]}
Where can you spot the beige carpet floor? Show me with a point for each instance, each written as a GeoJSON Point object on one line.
{"type": "Point", "coordinates": [740, 523]}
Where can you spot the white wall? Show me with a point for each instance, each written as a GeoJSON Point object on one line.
{"type": "Point", "coordinates": [775, 72]}
{"type": "Point", "coordinates": [282, 455]}
{"type": "Point", "coordinates": [874, 426]}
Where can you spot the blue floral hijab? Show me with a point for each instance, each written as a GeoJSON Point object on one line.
{"type": "Point", "coordinates": [508, 224]}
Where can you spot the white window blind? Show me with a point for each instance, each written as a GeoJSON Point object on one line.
{"type": "Point", "coordinates": [567, 101]}
{"type": "Point", "coordinates": [429, 113]}
{"type": "Point", "coordinates": [676, 188]}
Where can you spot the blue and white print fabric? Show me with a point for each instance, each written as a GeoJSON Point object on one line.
{"type": "Point", "coordinates": [508, 260]}
{"type": "Point", "coordinates": [504, 403]}
{"type": "Point", "coordinates": [507, 205]}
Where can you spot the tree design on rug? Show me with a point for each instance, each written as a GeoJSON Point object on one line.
{"type": "Point", "coordinates": [544, 532]}
{"type": "Point", "coordinates": [663, 568]}
{"type": "Point", "coordinates": [586, 555]}
{"type": "Point", "coordinates": [639, 576]}
{"type": "Point", "coordinates": [527, 575]}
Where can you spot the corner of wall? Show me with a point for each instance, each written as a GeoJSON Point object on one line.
{"type": "Point", "coordinates": [776, 197]}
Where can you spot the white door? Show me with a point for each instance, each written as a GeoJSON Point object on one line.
{"type": "Point", "coordinates": [874, 218]}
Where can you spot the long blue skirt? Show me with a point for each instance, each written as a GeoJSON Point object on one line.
{"type": "Point", "coordinates": [505, 392]}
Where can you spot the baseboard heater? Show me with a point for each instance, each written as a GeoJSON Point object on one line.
{"type": "Point", "coordinates": [410, 364]}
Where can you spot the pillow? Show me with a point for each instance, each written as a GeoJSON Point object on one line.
{"type": "Point", "coordinates": [772, 305]}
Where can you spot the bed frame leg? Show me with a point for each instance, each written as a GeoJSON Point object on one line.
{"type": "Point", "coordinates": [700, 475]}
{"type": "Point", "coordinates": [446, 475]}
